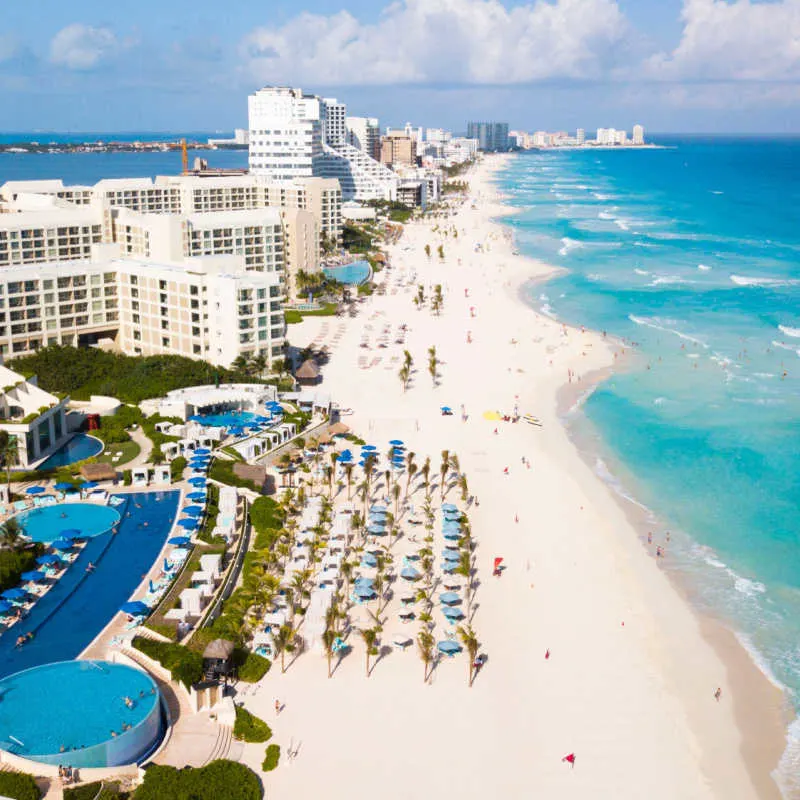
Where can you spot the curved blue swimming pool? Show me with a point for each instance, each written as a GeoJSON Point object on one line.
{"type": "Point", "coordinates": [352, 274]}
{"type": "Point", "coordinates": [79, 447]}
{"type": "Point", "coordinates": [45, 524]}
{"type": "Point", "coordinates": [75, 713]}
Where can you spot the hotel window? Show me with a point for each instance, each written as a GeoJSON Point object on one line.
{"type": "Point", "coordinates": [134, 280]}
{"type": "Point", "coordinates": [197, 350]}
{"type": "Point", "coordinates": [137, 335]}
{"type": "Point", "coordinates": [165, 341]}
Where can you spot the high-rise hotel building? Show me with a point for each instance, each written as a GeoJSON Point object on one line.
{"type": "Point", "coordinates": [187, 265]}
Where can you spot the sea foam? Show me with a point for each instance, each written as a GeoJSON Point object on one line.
{"type": "Point", "coordinates": [793, 332]}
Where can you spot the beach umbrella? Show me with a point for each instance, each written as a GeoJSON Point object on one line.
{"type": "Point", "coordinates": [369, 560]}
{"type": "Point", "coordinates": [449, 507]}
{"type": "Point", "coordinates": [199, 462]}
{"type": "Point", "coordinates": [202, 451]}
{"type": "Point", "coordinates": [48, 560]}
{"type": "Point", "coordinates": [236, 431]}
{"type": "Point", "coordinates": [363, 581]}
{"type": "Point", "coordinates": [451, 525]}
{"type": "Point", "coordinates": [198, 481]}
{"type": "Point", "coordinates": [136, 608]}
{"type": "Point", "coordinates": [61, 544]}
{"type": "Point", "coordinates": [368, 448]}
{"type": "Point", "coordinates": [193, 511]}
{"type": "Point", "coordinates": [189, 524]}
{"type": "Point", "coordinates": [377, 509]}
{"type": "Point", "coordinates": [5, 606]}
{"type": "Point", "coordinates": [197, 496]}
{"type": "Point", "coordinates": [14, 594]}
{"type": "Point", "coordinates": [196, 418]}
{"type": "Point", "coordinates": [396, 443]}
{"type": "Point", "coordinates": [452, 536]}
{"type": "Point", "coordinates": [448, 647]}
{"type": "Point", "coordinates": [151, 588]}
{"type": "Point", "coordinates": [364, 592]}
{"type": "Point", "coordinates": [409, 574]}
{"type": "Point", "coordinates": [449, 566]}
{"type": "Point", "coordinates": [69, 533]}
{"type": "Point", "coordinates": [180, 541]}
{"type": "Point", "coordinates": [33, 575]}
{"type": "Point", "coordinates": [449, 598]}
{"type": "Point", "coordinates": [450, 553]}
{"type": "Point", "coordinates": [376, 530]}
{"type": "Point", "coordinates": [34, 490]}
{"type": "Point", "coordinates": [63, 486]}
{"type": "Point", "coordinates": [453, 614]}
{"type": "Point", "coordinates": [88, 484]}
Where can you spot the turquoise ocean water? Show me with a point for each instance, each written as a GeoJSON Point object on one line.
{"type": "Point", "coordinates": [693, 253]}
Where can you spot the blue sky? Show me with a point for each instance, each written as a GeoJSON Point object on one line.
{"type": "Point", "coordinates": [673, 65]}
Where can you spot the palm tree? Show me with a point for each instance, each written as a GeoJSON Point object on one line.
{"type": "Point", "coordinates": [433, 363]}
{"type": "Point", "coordinates": [426, 477]}
{"type": "Point", "coordinates": [241, 364]}
{"type": "Point", "coordinates": [328, 471]}
{"type": "Point", "coordinates": [425, 643]}
{"type": "Point", "coordinates": [298, 585]}
{"type": "Point", "coordinates": [438, 300]}
{"type": "Point", "coordinates": [443, 470]}
{"type": "Point", "coordinates": [464, 569]}
{"type": "Point", "coordinates": [428, 250]}
{"type": "Point", "coordinates": [329, 636]}
{"type": "Point", "coordinates": [462, 484]}
{"type": "Point", "coordinates": [284, 640]}
{"type": "Point", "coordinates": [405, 376]}
{"type": "Point", "coordinates": [471, 645]}
{"type": "Point", "coordinates": [455, 466]}
{"type": "Point", "coordinates": [420, 295]}
{"type": "Point", "coordinates": [369, 636]}
{"type": "Point", "coordinates": [10, 533]}
{"type": "Point", "coordinates": [407, 359]}
{"type": "Point", "coordinates": [348, 471]}
{"type": "Point", "coordinates": [259, 364]}
{"type": "Point", "coordinates": [396, 492]}
{"type": "Point", "coordinates": [9, 455]}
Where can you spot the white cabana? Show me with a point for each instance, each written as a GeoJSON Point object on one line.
{"type": "Point", "coordinates": [140, 476]}
{"type": "Point", "coordinates": [162, 474]}
{"type": "Point", "coordinates": [192, 602]}
{"type": "Point", "coordinates": [211, 563]}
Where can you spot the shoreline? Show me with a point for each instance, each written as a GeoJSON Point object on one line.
{"type": "Point", "coordinates": [762, 709]}
{"type": "Point", "coordinates": [590, 648]}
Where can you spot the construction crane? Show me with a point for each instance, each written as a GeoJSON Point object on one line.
{"type": "Point", "coordinates": [185, 157]}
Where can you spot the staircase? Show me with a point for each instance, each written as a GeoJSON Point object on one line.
{"type": "Point", "coordinates": [222, 746]}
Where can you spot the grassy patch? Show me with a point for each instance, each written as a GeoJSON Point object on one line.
{"type": "Point", "coordinates": [129, 450]}
{"type": "Point", "coordinates": [222, 471]}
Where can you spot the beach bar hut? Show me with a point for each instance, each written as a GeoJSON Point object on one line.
{"type": "Point", "coordinates": [308, 373]}
{"type": "Point", "coordinates": [218, 660]}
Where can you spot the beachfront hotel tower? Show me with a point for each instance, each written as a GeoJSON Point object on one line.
{"type": "Point", "coordinates": [492, 137]}
{"type": "Point", "coordinates": [293, 134]}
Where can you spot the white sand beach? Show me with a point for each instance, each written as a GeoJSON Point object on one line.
{"type": "Point", "coordinates": [629, 683]}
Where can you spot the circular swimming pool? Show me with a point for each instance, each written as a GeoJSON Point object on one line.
{"type": "Point", "coordinates": [46, 524]}
{"type": "Point", "coordinates": [80, 713]}
{"type": "Point", "coordinates": [80, 446]}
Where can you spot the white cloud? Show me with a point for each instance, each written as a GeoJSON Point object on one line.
{"type": "Point", "coordinates": [738, 41]}
{"type": "Point", "coordinates": [82, 47]}
{"type": "Point", "coordinates": [449, 41]}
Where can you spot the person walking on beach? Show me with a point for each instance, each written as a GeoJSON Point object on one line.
{"type": "Point", "coordinates": [277, 706]}
{"type": "Point", "coordinates": [718, 694]}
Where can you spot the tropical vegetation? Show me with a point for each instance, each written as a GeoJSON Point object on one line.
{"type": "Point", "coordinates": [219, 779]}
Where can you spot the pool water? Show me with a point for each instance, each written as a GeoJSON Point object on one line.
{"type": "Point", "coordinates": [64, 713]}
{"type": "Point", "coordinates": [352, 274]}
{"type": "Point", "coordinates": [66, 620]}
{"type": "Point", "coordinates": [45, 524]}
{"type": "Point", "coordinates": [230, 419]}
{"type": "Point", "coordinates": [77, 448]}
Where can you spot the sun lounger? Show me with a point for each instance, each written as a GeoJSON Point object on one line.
{"type": "Point", "coordinates": [20, 505]}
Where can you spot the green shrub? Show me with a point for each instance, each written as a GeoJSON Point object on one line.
{"type": "Point", "coordinates": [219, 779]}
{"type": "Point", "coordinates": [184, 664]}
{"type": "Point", "coordinates": [253, 667]}
{"type": "Point", "coordinates": [176, 467]}
{"type": "Point", "coordinates": [271, 757]}
{"type": "Point", "coordinates": [82, 372]}
{"type": "Point", "coordinates": [222, 471]}
{"type": "Point", "coordinates": [99, 790]}
{"type": "Point", "coordinates": [14, 562]}
{"type": "Point", "coordinates": [249, 728]}
{"type": "Point", "coordinates": [19, 786]}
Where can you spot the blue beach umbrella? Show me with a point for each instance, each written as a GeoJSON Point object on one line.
{"type": "Point", "coordinates": [449, 507]}
{"type": "Point", "coordinates": [449, 566]}
{"type": "Point", "coordinates": [180, 541]}
{"type": "Point", "coordinates": [14, 594]}
{"type": "Point", "coordinates": [449, 598]}
{"type": "Point", "coordinates": [369, 560]}
{"type": "Point", "coordinates": [364, 592]}
{"type": "Point", "coordinates": [197, 495]}
{"type": "Point", "coordinates": [368, 448]}
{"type": "Point", "coordinates": [363, 581]}
{"type": "Point", "coordinates": [70, 533]}
{"type": "Point", "coordinates": [193, 511]}
{"type": "Point", "coordinates": [136, 608]}
{"type": "Point", "coordinates": [452, 535]}
{"type": "Point", "coordinates": [450, 552]}
{"type": "Point", "coordinates": [61, 544]}
{"type": "Point", "coordinates": [34, 490]}
{"type": "Point", "coordinates": [196, 418]}
{"type": "Point", "coordinates": [236, 431]}
{"type": "Point", "coordinates": [409, 574]}
{"type": "Point", "coordinates": [189, 524]}
{"type": "Point", "coordinates": [376, 530]}
{"type": "Point", "coordinates": [5, 606]}
{"type": "Point", "coordinates": [202, 451]}
{"type": "Point", "coordinates": [447, 410]}
{"type": "Point", "coordinates": [449, 648]}
{"type": "Point", "coordinates": [377, 509]}
{"type": "Point", "coordinates": [452, 613]}
{"type": "Point", "coordinates": [48, 560]}
{"type": "Point", "coordinates": [33, 575]}
{"type": "Point", "coordinates": [63, 486]}
{"type": "Point", "coordinates": [198, 481]}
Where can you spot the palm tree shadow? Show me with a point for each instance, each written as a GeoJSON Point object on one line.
{"type": "Point", "coordinates": [343, 654]}
{"type": "Point", "coordinates": [384, 651]}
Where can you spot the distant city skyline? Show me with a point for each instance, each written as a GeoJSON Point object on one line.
{"type": "Point", "coordinates": [675, 65]}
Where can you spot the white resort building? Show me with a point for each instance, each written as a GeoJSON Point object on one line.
{"type": "Point", "coordinates": [298, 135]}
{"type": "Point", "coordinates": [35, 418]}
{"type": "Point", "coordinates": [186, 265]}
